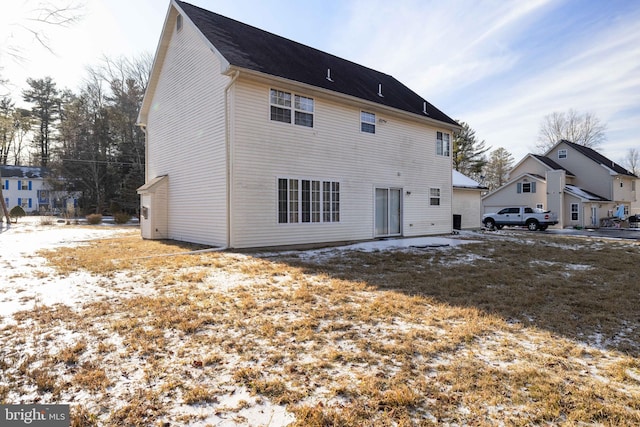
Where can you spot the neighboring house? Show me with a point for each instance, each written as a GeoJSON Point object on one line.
{"type": "Point", "coordinates": [27, 186]}
{"type": "Point", "coordinates": [254, 140]}
{"type": "Point", "coordinates": [581, 185]}
{"type": "Point", "coordinates": [24, 186]}
{"type": "Point", "coordinates": [467, 202]}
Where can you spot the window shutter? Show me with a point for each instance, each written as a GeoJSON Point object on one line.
{"type": "Point", "coordinates": [19, 185]}
{"type": "Point", "coordinates": [19, 200]}
{"type": "Point", "coordinates": [29, 185]}
{"type": "Point", "coordinates": [519, 190]}
{"type": "Point", "coordinates": [29, 201]}
{"type": "Point", "coordinates": [6, 184]}
{"type": "Point", "coordinates": [533, 187]}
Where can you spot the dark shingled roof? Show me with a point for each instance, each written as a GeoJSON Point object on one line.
{"type": "Point", "coordinates": [26, 172]}
{"type": "Point", "coordinates": [598, 158]}
{"type": "Point", "coordinates": [248, 47]}
{"type": "Point", "coordinates": [553, 165]}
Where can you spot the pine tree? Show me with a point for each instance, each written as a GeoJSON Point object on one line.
{"type": "Point", "coordinates": [497, 168]}
{"type": "Point", "coordinates": [45, 97]}
{"type": "Point", "coordinates": [468, 152]}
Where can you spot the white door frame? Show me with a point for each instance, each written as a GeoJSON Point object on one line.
{"type": "Point", "coordinates": [387, 219]}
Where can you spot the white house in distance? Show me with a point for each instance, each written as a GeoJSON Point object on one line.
{"type": "Point", "coordinates": [467, 202]}
{"type": "Point", "coordinates": [24, 186]}
{"type": "Point", "coordinates": [27, 186]}
{"type": "Point", "coordinates": [581, 185]}
{"type": "Point", "coordinates": [255, 140]}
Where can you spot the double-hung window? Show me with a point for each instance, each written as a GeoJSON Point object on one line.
{"type": "Point", "coordinates": [434, 196]}
{"type": "Point", "coordinates": [306, 200]}
{"type": "Point", "coordinates": [284, 105]}
{"type": "Point", "coordinates": [526, 187]}
{"type": "Point", "coordinates": [443, 144]}
{"type": "Point", "coordinates": [367, 122]}
{"type": "Point", "coordinates": [574, 211]}
{"type": "Point", "coordinates": [280, 106]}
{"type": "Point", "coordinates": [303, 111]}
{"type": "Point", "coordinates": [562, 154]}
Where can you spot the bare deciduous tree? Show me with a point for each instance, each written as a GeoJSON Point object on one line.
{"type": "Point", "coordinates": [632, 161]}
{"type": "Point", "coordinates": [35, 18]}
{"type": "Point", "coordinates": [580, 128]}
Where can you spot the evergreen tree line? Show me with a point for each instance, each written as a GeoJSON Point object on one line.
{"type": "Point", "coordinates": [87, 140]}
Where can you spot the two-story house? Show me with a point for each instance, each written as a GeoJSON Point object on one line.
{"type": "Point", "coordinates": [254, 140]}
{"type": "Point", "coordinates": [581, 185]}
{"type": "Point", "coordinates": [24, 186]}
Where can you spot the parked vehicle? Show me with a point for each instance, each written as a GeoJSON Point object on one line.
{"type": "Point", "coordinates": [533, 219]}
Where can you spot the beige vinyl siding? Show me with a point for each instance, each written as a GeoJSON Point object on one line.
{"type": "Point", "coordinates": [624, 193]}
{"type": "Point", "coordinates": [508, 196]}
{"type": "Point", "coordinates": [401, 154]}
{"type": "Point", "coordinates": [187, 139]}
{"type": "Point", "coordinates": [467, 202]}
{"type": "Point", "coordinates": [590, 175]}
{"type": "Point", "coordinates": [529, 165]}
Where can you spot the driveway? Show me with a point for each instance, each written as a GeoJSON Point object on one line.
{"type": "Point", "coordinates": [613, 233]}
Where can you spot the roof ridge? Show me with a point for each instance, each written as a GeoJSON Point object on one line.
{"type": "Point", "coordinates": [247, 47]}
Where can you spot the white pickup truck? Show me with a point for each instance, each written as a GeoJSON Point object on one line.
{"type": "Point", "coordinates": [533, 219]}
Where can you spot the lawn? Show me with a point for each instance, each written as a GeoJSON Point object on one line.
{"type": "Point", "coordinates": [512, 328]}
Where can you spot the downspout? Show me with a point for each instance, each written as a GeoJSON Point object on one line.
{"type": "Point", "coordinates": [227, 141]}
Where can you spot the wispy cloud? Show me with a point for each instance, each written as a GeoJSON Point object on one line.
{"type": "Point", "coordinates": [503, 66]}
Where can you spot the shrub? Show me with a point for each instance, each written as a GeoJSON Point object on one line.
{"type": "Point", "coordinates": [17, 212]}
{"type": "Point", "coordinates": [121, 217]}
{"type": "Point", "coordinates": [46, 220]}
{"type": "Point", "coordinates": [94, 219]}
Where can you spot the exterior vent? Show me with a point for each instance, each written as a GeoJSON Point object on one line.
{"type": "Point", "coordinates": [424, 108]}
{"type": "Point", "coordinates": [380, 91]}
{"type": "Point", "coordinates": [329, 74]}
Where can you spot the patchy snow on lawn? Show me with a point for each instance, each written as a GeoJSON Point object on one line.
{"type": "Point", "coordinates": [28, 282]}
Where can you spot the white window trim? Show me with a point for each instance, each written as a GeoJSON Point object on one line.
{"type": "Point", "coordinates": [576, 211]}
{"type": "Point", "coordinates": [327, 210]}
{"type": "Point", "coordinates": [562, 154]}
{"type": "Point", "coordinates": [362, 122]}
{"type": "Point", "coordinates": [433, 197]}
{"type": "Point", "coordinates": [292, 108]}
{"type": "Point", "coordinates": [443, 146]}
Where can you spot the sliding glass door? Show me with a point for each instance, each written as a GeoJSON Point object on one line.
{"type": "Point", "coordinates": [388, 212]}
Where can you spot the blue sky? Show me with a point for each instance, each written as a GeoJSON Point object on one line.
{"type": "Point", "coordinates": [500, 65]}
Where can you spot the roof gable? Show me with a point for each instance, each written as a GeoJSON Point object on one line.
{"type": "Point", "coordinates": [595, 156]}
{"type": "Point", "coordinates": [514, 182]}
{"type": "Point", "coordinates": [250, 48]}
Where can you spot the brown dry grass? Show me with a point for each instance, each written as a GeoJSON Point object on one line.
{"type": "Point", "coordinates": [522, 330]}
